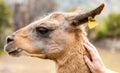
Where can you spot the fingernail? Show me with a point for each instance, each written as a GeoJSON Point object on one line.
{"type": "Point", "coordinates": [84, 44]}
{"type": "Point", "coordinates": [84, 56]}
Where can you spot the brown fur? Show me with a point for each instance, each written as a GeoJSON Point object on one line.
{"type": "Point", "coordinates": [63, 43]}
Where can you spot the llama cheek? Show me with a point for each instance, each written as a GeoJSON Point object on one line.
{"type": "Point", "coordinates": [54, 50]}
{"type": "Point", "coordinates": [39, 44]}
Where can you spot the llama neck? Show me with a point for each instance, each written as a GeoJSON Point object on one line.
{"type": "Point", "coordinates": [72, 61]}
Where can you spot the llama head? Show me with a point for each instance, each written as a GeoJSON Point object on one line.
{"type": "Point", "coordinates": [50, 36]}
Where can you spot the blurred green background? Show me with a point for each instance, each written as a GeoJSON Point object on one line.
{"type": "Point", "coordinates": [15, 14]}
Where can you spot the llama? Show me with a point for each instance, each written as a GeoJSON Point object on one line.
{"type": "Point", "coordinates": [58, 36]}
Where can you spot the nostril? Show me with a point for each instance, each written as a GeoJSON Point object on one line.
{"type": "Point", "coordinates": [9, 39]}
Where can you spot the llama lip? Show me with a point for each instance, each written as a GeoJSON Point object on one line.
{"type": "Point", "coordinates": [15, 52]}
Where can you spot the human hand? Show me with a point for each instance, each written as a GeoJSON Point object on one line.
{"type": "Point", "coordinates": [95, 64]}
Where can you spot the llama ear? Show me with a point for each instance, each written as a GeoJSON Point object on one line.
{"type": "Point", "coordinates": [83, 18]}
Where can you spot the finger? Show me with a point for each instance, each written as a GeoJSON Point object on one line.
{"type": "Point", "coordinates": [93, 47]}
{"type": "Point", "coordinates": [88, 42]}
{"type": "Point", "coordinates": [95, 50]}
{"type": "Point", "coordinates": [88, 62]}
{"type": "Point", "coordinates": [91, 51]}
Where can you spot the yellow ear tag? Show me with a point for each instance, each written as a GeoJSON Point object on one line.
{"type": "Point", "coordinates": [91, 22]}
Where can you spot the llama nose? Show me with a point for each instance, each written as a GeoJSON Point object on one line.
{"type": "Point", "coordinates": [9, 39]}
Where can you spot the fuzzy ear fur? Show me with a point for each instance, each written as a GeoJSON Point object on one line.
{"type": "Point", "coordinates": [83, 18]}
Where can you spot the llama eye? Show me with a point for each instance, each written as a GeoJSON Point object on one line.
{"type": "Point", "coordinates": [42, 30]}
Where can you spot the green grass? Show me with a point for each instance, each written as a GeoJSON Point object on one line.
{"type": "Point", "coordinates": [111, 60]}
{"type": "Point", "coordinates": [2, 52]}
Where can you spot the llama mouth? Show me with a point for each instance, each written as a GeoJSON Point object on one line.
{"type": "Point", "coordinates": [18, 52]}
{"type": "Point", "coordinates": [15, 52]}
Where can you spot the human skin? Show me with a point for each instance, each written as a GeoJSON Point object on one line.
{"type": "Point", "coordinates": [95, 64]}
